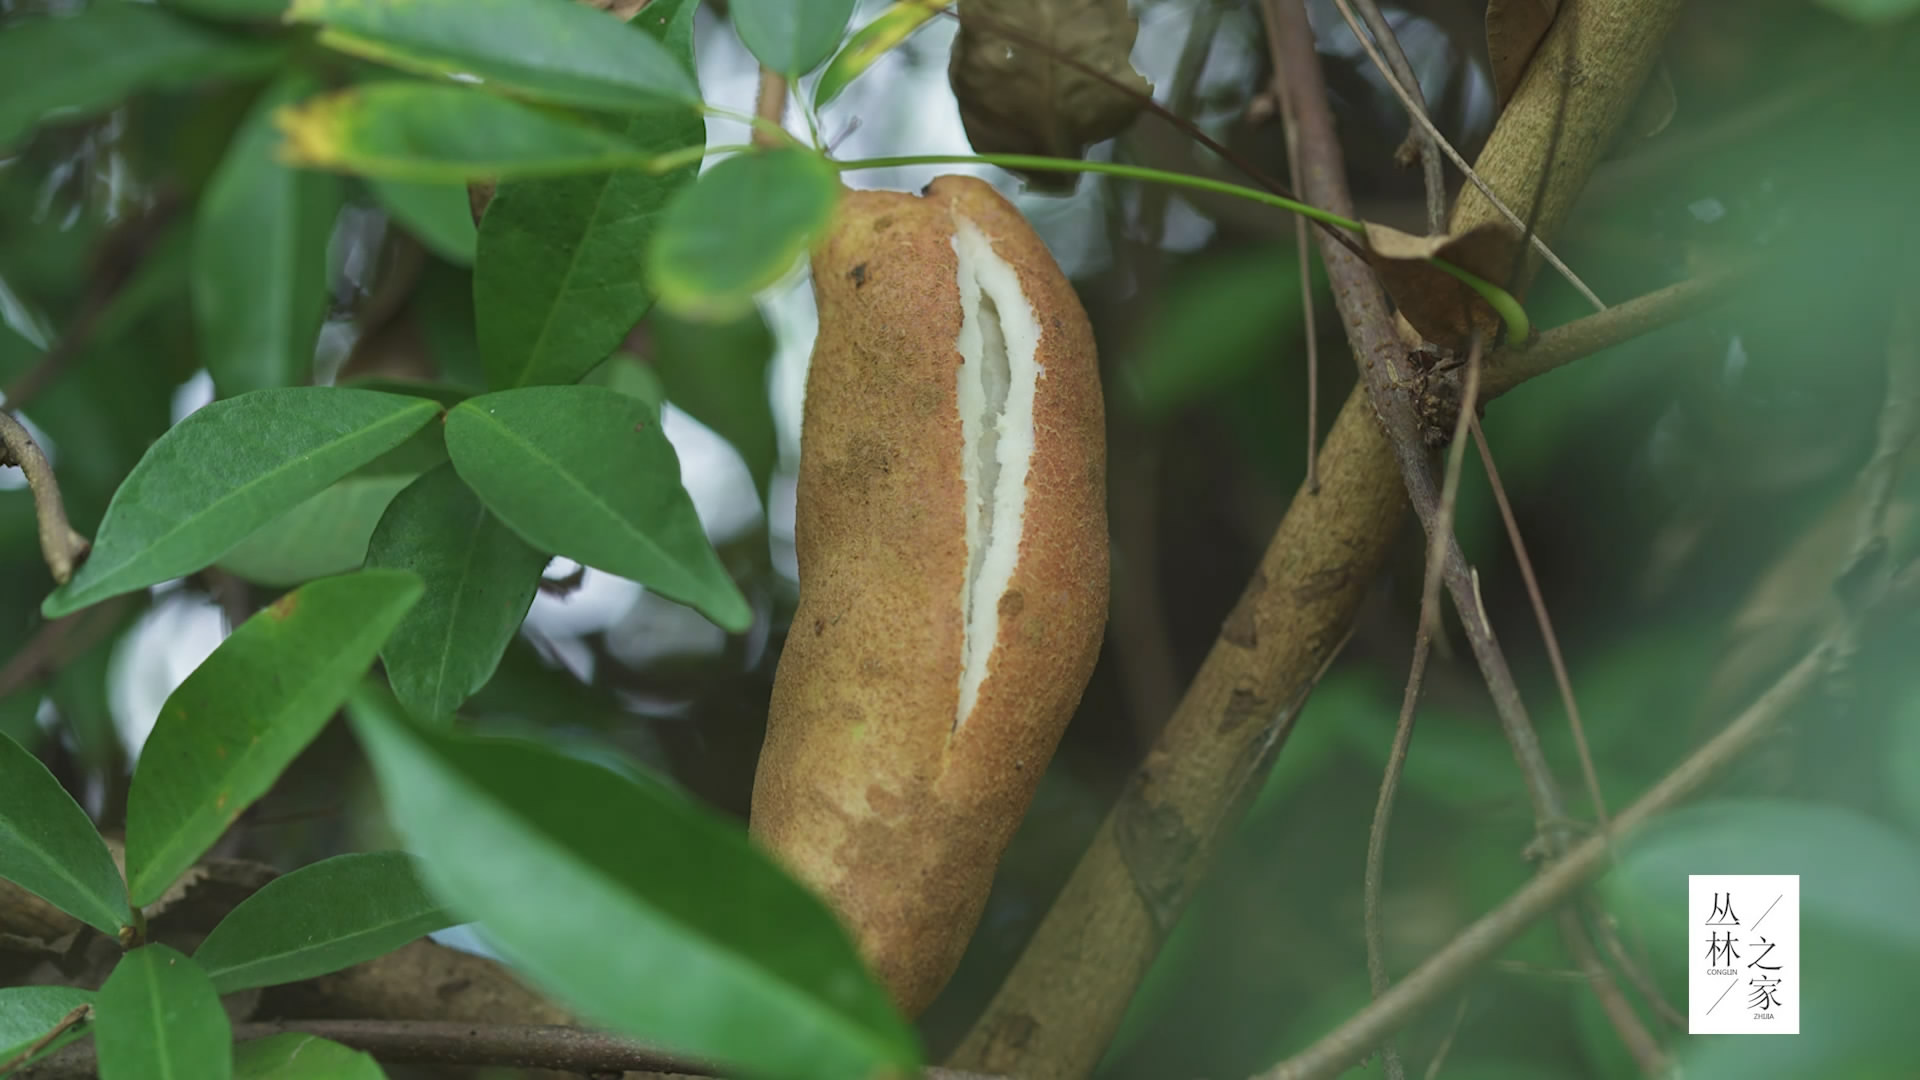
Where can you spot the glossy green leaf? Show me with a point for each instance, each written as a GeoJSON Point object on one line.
{"type": "Point", "coordinates": [50, 848]}
{"type": "Point", "coordinates": [323, 536]}
{"type": "Point", "coordinates": [791, 36]}
{"type": "Point", "coordinates": [568, 54]}
{"type": "Point", "coordinates": [298, 1056]}
{"type": "Point", "coordinates": [740, 229]}
{"type": "Point", "coordinates": [320, 919]}
{"type": "Point", "coordinates": [158, 1018]}
{"type": "Point", "coordinates": [870, 43]}
{"type": "Point", "coordinates": [425, 133]}
{"type": "Point", "coordinates": [561, 862]}
{"type": "Point", "coordinates": [586, 473]}
{"type": "Point", "coordinates": [562, 273]}
{"type": "Point", "coordinates": [29, 1012]}
{"type": "Point", "coordinates": [223, 472]}
{"type": "Point", "coordinates": [260, 255]}
{"type": "Point", "coordinates": [244, 714]}
{"type": "Point", "coordinates": [66, 66]}
{"type": "Point", "coordinates": [717, 372]}
{"type": "Point", "coordinates": [438, 215]}
{"type": "Point", "coordinates": [480, 579]}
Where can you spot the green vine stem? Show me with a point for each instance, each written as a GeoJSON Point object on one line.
{"type": "Point", "coordinates": [1499, 299]}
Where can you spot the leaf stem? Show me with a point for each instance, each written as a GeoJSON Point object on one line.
{"type": "Point", "coordinates": [1497, 298]}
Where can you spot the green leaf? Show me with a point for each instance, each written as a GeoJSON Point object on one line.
{"type": "Point", "coordinates": [60, 67]}
{"type": "Point", "coordinates": [561, 862]}
{"type": "Point", "coordinates": [297, 1056]}
{"type": "Point", "coordinates": [586, 473]}
{"type": "Point", "coordinates": [1872, 12]}
{"type": "Point", "coordinates": [1902, 758]}
{"type": "Point", "coordinates": [717, 372]}
{"type": "Point", "coordinates": [29, 1012]}
{"type": "Point", "coordinates": [320, 919]}
{"type": "Point", "coordinates": [562, 273]}
{"type": "Point", "coordinates": [414, 131]}
{"type": "Point", "coordinates": [50, 848]}
{"type": "Point", "coordinates": [791, 36]}
{"type": "Point", "coordinates": [439, 215]}
{"type": "Point", "coordinates": [323, 536]}
{"type": "Point", "coordinates": [260, 255]}
{"type": "Point", "coordinates": [480, 580]}
{"type": "Point", "coordinates": [244, 714]}
{"type": "Point", "coordinates": [567, 54]}
{"type": "Point", "coordinates": [870, 43]}
{"type": "Point", "coordinates": [158, 1018]}
{"type": "Point", "coordinates": [225, 471]}
{"type": "Point", "coordinates": [739, 229]}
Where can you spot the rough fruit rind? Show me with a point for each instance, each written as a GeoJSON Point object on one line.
{"type": "Point", "coordinates": [872, 787]}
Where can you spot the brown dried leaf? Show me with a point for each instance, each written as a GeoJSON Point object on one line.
{"type": "Point", "coordinates": [1515, 29]}
{"type": "Point", "coordinates": [1436, 304]}
{"type": "Point", "coordinates": [1015, 98]}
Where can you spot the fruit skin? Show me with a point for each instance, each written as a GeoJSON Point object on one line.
{"type": "Point", "coordinates": [865, 790]}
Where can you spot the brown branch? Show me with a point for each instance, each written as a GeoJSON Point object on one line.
{"type": "Point", "coordinates": [1061, 1004]}
{"type": "Point", "coordinates": [1380, 350]}
{"type": "Point", "coordinates": [438, 1042]}
{"type": "Point", "coordinates": [1508, 368]}
{"type": "Point", "coordinates": [1552, 887]}
{"type": "Point", "coordinates": [60, 545]}
{"type": "Point", "coordinates": [77, 1015]}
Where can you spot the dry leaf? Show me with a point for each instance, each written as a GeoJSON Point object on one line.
{"type": "Point", "coordinates": [1015, 98]}
{"type": "Point", "coordinates": [1434, 302]}
{"type": "Point", "coordinates": [1515, 29]}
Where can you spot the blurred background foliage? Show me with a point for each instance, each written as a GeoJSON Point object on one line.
{"type": "Point", "coordinates": [1687, 500]}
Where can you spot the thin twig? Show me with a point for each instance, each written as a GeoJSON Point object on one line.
{"type": "Point", "coordinates": [1549, 889]}
{"type": "Point", "coordinates": [1364, 309]}
{"type": "Point", "coordinates": [1422, 137]}
{"type": "Point", "coordinates": [58, 642]}
{"type": "Point", "coordinates": [1449, 493]}
{"type": "Point", "coordinates": [62, 547]}
{"type": "Point", "coordinates": [1554, 657]}
{"type": "Point", "coordinates": [1420, 119]}
{"type": "Point", "coordinates": [442, 1042]}
{"type": "Point", "coordinates": [1382, 823]}
{"type": "Point", "coordinates": [1446, 1044]}
{"type": "Point", "coordinates": [75, 1016]}
{"type": "Point", "coordinates": [1290, 130]}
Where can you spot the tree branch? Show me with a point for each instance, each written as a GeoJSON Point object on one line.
{"type": "Point", "coordinates": [1061, 1004]}
{"type": "Point", "coordinates": [1551, 888]}
{"type": "Point", "coordinates": [438, 1042]}
{"type": "Point", "coordinates": [62, 547]}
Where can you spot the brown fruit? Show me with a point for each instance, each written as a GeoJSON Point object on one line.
{"type": "Point", "coordinates": [952, 539]}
